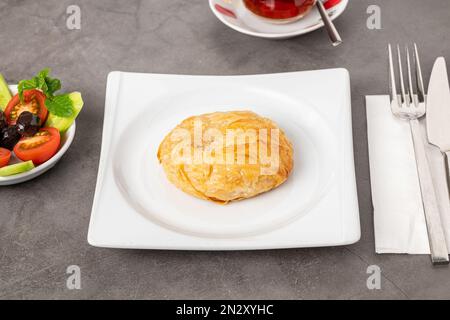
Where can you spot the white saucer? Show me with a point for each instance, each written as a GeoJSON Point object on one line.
{"type": "Point", "coordinates": [234, 14]}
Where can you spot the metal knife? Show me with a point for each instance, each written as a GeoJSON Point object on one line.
{"type": "Point", "coordinates": [438, 110]}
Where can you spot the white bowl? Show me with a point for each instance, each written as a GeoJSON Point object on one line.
{"type": "Point", "coordinates": [66, 141]}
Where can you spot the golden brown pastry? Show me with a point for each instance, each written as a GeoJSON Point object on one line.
{"type": "Point", "coordinates": [226, 156]}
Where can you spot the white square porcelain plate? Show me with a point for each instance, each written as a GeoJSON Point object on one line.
{"type": "Point", "coordinates": [136, 207]}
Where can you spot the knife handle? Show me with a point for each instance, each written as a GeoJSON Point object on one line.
{"type": "Point", "coordinates": [447, 168]}
{"type": "Point", "coordinates": [436, 236]}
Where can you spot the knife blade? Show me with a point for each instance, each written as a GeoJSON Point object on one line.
{"type": "Point", "coordinates": [438, 109]}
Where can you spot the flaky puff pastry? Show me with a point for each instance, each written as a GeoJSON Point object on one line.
{"type": "Point", "coordinates": [220, 179]}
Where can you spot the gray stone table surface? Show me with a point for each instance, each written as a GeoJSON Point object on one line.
{"type": "Point", "coordinates": [44, 223]}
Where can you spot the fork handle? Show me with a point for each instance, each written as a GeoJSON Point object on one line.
{"type": "Point", "coordinates": [436, 236]}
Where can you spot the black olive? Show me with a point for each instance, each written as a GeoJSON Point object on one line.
{"type": "Point", "coordinates": [9, 137]}
{"type": "Point", "coordinates": [28, 124]}
{"type": "Point", "coordinates": [3, 122]}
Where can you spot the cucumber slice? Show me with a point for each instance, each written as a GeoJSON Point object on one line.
{"type": "Point", "coordinates": [5, 94]}
{"type": "Point", "coordinates": [61, 123]}
{"type": "Point", "coordinates": [16, 168]}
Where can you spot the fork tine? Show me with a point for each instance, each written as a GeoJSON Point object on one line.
{"type": "Point", "coordinates": [419, 77]}
{"type": "Point", "coordinates": [402, 81]}
{"type": "Point", "coordinates": [411, 90]}
{"type": "Point", "coordinates": [393, 86]}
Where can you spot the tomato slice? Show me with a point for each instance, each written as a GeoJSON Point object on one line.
{"type": "Point", "coordinates": [33, 101]}
{"type": "Point", "coordinates": [40, 147]}
{"type": "Point", "coordinates": [5, 155]}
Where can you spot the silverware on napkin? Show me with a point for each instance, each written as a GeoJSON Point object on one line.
{"type": "Point", "coordinates": [438, 114]}
{"type": "Point", "coordinates": [411, 105]}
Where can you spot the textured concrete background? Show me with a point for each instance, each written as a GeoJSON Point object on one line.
{"type": "Point", "coordinates": [43, 223]}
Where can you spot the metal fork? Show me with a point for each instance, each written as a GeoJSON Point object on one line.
{"type": "Point", "coordinates": [410, 105]}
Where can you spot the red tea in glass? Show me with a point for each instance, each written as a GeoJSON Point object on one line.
{"type": "Point", "coordinates": [280, 10]}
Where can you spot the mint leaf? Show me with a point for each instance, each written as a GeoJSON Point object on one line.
{"type": "Point", "coordinates": [26, 85]}
{"type": "Point", "coordinates": [53, 85]}
{"type": "Point", "coordinates": [44, 73]}
{"type": "Point", "coordinates": [39, 80]}
{"type": "Point", "coordinates": [42, 82]}
{"type": "Point", "coordinates": [60, 105]}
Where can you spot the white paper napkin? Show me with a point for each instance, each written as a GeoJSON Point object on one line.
{"type": "Point", "coordinates": [399, 219]}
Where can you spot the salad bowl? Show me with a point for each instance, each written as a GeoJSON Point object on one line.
{"type": "Point", "coordinates": [66, 141]}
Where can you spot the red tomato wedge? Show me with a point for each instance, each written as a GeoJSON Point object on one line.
{"type": "Point", "coordinates": [33, 101]}
{"type": "Point", "coordinates": [5, 155]}
{"type": "Point", "coordinates": [40, 147]}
